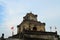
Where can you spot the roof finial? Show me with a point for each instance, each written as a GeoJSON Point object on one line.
{"type": "Point", "coordinates": [30, 11]}
{"type": "Point", "coordinates": [55, 29]}
{"type": "Point", "coordinates": [50, 28]}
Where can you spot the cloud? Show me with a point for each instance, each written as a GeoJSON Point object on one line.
{"type": "Point", "coordinates": [10, 19]}
{"type": "Point", "coordinates": [15, 10]}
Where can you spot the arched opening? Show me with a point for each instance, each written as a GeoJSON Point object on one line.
{"type": "Point", "coordinates": [34, 28]}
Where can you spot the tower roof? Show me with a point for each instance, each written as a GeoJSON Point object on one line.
{"type": "Point", "coordinates": [30, 16]}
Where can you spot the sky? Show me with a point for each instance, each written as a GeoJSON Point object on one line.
{"type": "Point", "coordinates": [13, 11]}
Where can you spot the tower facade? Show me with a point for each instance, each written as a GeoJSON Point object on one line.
{"type": "Point", "coordinates": [32, 29]}
{"type": "Point", "coordinates": [30, 22]}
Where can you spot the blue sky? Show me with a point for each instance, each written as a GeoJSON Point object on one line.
{"type": "Point", "coordinates": [13, 11]}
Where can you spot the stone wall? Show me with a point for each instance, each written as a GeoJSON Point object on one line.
{"type": "Point", "coordinates": [13, 39]}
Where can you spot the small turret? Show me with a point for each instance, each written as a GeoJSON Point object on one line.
{"type": "Point", "coordinates": [2, 37]}
{"type": "Point", "coordinates": [30, 16]}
